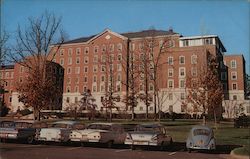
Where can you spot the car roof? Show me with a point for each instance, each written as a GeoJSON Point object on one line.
{"type": "Point", "coordinates": [201, 127]}
{"type": "Point", "coordinates": [102, 123]}
{"type": "Point", "coordinates": [69, 122]}
{"type": "Point", "coordinates": [153, 125]}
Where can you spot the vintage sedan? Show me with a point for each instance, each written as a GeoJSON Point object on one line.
{"type": "Point", "coordinates": [148, 135]}
{"type": "Point", "coordinates": [108, 133]}
{"type": "Point", "coordinates": [57, 132]}
{"type": "Point", "coordinates": [17, 130]}
{"type": "Point", "coordinates": [201, 137]}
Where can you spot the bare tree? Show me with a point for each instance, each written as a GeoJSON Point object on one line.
{"type": "Point", "coordinates": [33, 52]}
{"type": "Point", "coordinates": [204, 92]}
{"type": "Point", "coordinates": [3, 48]}
{"type": "Point", "coordinates": [233, 108]}
{"type": "Point", "coordinates": [107, 65]}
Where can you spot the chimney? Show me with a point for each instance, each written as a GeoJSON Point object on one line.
{"type": "Point", "coordinates": [170, 29]}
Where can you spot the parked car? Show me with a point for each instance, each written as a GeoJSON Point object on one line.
{"type": "Point", "coordinates": [148, 135]}
{"type": "Point", "coordinates": [242, 121]}
{"type": "Point", "coordinates": [17, 130]}
{"type": "Point", "coordinates": [201, 138]}
{"type": "Point", "coordinates": [57, 132]}
{"type": "Point", "coordinates": [109, 133]}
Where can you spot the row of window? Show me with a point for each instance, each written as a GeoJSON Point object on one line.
{"type": "Point", "coordinates": [95, 69]}
{"type": "Point", "coordinates": [104, 48]}
{"type": "Point", "coordinates": [118, 78]}
{"type": "Point", "coordinates": [6, 75]}
{"type": "Point", "coordinates": [103, 59]}
{"type": "Point", "coordinates": [182, 60]}
{"type": "Point", "coordinates": [233, 75]}
{"type": "Point", "coordinates": [76, 89]}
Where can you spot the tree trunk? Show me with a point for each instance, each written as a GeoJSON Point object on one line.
{"type": "Point", "coordinates": [204, 119]}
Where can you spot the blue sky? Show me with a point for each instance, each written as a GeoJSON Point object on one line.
{"type": "Point", "coordinates": [229, 19]}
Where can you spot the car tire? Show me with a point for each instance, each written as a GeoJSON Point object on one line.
{"type": "Point", "coordinates": [110, 144]}
{"type": "Point", "coordinates": [132, 147]}
{"type": "Point", "coordinates": [189, 150]}
{"type": "Point", "coordinates": [30, 140]}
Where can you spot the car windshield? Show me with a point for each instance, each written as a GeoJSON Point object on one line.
{"type": "Point", "coordinates": [61, 125]}
{"type": "Point", "coordinates": [23, 125]}
{"type": "Point", "coordinates": [201, 132]}
{"type": "Point", "coordinates": [7, 124]}
{"type": "Point", "coordinates": [99, 127]}
{"type": "Point", "coordinates": [148, 128]}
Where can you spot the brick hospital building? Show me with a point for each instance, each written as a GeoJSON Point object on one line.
{"type": "Point", "coordinates": [84, 61]}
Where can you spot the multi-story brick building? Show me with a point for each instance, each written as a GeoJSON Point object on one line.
{"type": "Point", "coordinates": [7, 83]}
{"type": "Point", "coordinates": [14, 74]}
{"type": "Point", "coordinates": [185, 56]}
{"type": "Point", "coordinates": [84, 61]}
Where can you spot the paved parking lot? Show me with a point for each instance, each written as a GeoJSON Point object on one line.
{"type": "Point", "coordinates": [54, 151]}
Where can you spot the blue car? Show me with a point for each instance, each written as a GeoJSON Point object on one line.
{"type": "Point", "coordinates": [201, 137]}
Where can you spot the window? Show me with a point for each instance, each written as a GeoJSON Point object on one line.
{"type": "Point", "coordinates": [151, 108]}
{"type": "Point", "coordinates": [248, 109]}
{"type": "Point", "coordinates": [234, 97]}
{"type": "Point", "coordinates": [170, 60]}
{"type": "Point", "coordinates": [103, 48]}
{"type": "Point", "coordinates": [77, 80]}
{"type": "Point", "coordinates": [233, 64]}
{"type": "Point", "coordinates": [85, 69]}
{"type": "Point", "coordinates": [141, 46]}
{"type": "Point", "coordinates": [170, 72]}
{"type": "Point", "coordinates": [86, 60]}
{"type": "Point", "coordinates": [141, 108]}
{"type": "Point", "coordinates": [103, 68]}
{"type": "Point", "coordinates": [170, 83]}
{"type": "Point", "coordinates": [185, 43]}
{"type": "Point", "coordinates": [62, 62]}
{"type": "Point", "coordinates": [118, 88]}
{"type": "Point", "coordinates": [94, 79]}
{"type": "Point", "coordinates": [194, 71]}
{"type": "Point", "coordinates": [67, 99]}
{"type": "Point", "coordinates": [194, 59]}
{"type": "Point", "coordinates": [96, 49]}
{"type": "Point", "coordinates": [68, 80]}
{"type": "Point", "coordinates": [76, 99]}
{"type": "Point", "coordinates": [119, 67]}
{"type": "Point", "coordinates": [234, 75]}
{"type": "Point", "coordinates": [7, 74]}
{"type": "Point", "coordinates": [70, 61]}
{"type": "Point", "coordinates": [119, 57]}
{"type": "Point", "coordinates": [84, 88]}
{"type": "Point", "coordinates": [183, 108]}
{"type": "Point", "coordinates": [111, 47]}
{"type": "Point", "coordinates": [208, 41]}
{"type": "Point", "coordinates": [181, 83]}
{"type": "Point", "coordinates": [61, 52]}
{"type": "Point", "coordinates": [77, 60]}
{"type": "Point", "coordinates": [171, 43]}
{"type": "Point", "coordinates": [69, 52]}
{"type": "Point", "coordinates": [103, 58]}
{"type": "Point", "coordinates": [95, 68]}
{"type": "Point", "coordinates": [170, 108]}
{"type": "Point", "coordinates": [77, 70]}
{"type": "Point", "coordinates": [86, 50]}
{"type": "Point", "coordinates": [234, 86]}
{"type": "Point", "coordinates": [119, 47]}
{"type": "Point", "coordinates": [119, 77]}
{"type": "Point", "coordinates": [182, 96]}
{"type": "Point", "coordinates": [95, 59]}
{"type": "Point", "coordinates": [151, 87]}
{"type": "Point", "coordinates": [10, 99]}
{"type": "Point", "coordinates": [78, 51]}
{"type": "Point", "coordinates": [69, 70]}
{"type": "Point", "coordinates": [76, 89]}
{"type": "Point", "coordinates": [223, 75]}
{"type": "Point", "coordinates": [85, 79]}
{"type": "Point", "coordinates": [182, 60]}
{"type": "Point", "coordinates": [94, 89]}
{"type": "Point", "coordinates": [170, 96]}
{"type": "Point", "coordinates": [68, 89]}
{"type": "Point", "coordinates": [182, 72]}
{"type": "Point", "coordinates": [224, 85]}
{"type": "Point", "coordinates": [102, 88]}
{"type": "Point", "coordinates": [132, 46]}
{"type": "Point", "coordinates": [21, 69]}
{"type": "Point", "coordinates": [102, 78]}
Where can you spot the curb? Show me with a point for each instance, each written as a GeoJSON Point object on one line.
{"type": "Point", "coordinates": [234, 156]}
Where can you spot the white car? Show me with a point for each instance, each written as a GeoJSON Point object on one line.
{"type": "Point", "coordinates": [109, 133]}
{"type": "Point", "coordinates": [148, 135]}
{"type": "Point", "coordinates": [57, 132]}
